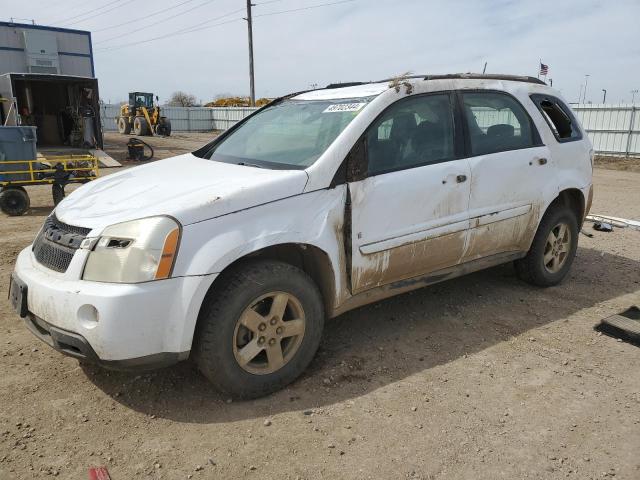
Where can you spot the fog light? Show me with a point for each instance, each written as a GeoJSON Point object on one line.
{"type": "Point", "coordinates": [88, 316]}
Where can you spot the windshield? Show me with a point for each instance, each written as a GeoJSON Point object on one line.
{"type": "Point", "coordinates": [289, 135]}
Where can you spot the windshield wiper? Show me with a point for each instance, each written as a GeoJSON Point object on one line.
{"type": "Point", "coordinates": [246, 164]}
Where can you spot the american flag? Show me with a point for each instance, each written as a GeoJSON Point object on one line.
{"type": "Point", "coordinates": [544, 69]}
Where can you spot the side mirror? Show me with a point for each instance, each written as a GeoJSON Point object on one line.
{"type": "Point", "coordinates": [157, 99]}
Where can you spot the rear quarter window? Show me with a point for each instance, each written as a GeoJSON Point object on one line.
{"type": "Point", "coordinates": [559, 117]}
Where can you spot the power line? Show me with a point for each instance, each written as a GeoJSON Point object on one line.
{"type": "Point", "coordinates": [181, 31]}
{"type": "Point", "coordinates": [163, 20]}
{"type": "Point", "coordinates": [201, 25]}
{"type": "Point", "coordinates": [142, 18]}
{"type": "Point", "coordinates": [303, 8]}
{"type": "Point", "coordinates": [173, 34]}
{"type": "Point", "coordinates": [93, 16]}
{"type": "Point", "coordinates": [87, 12]}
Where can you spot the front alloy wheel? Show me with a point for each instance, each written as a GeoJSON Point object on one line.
{"type": "Point", "coordinates": [269, 333]}
{"type": "Point", "coordinates": [259, 327]}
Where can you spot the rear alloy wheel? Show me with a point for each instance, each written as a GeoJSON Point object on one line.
{"type": "Point", "coordinates": [552, 250]}
{"type": "Point", "coordinates": [14, 201]}
{"type": "Point", "coordinates": [259, 328]}
{"type": "Point", "coordinates": [557, 248]}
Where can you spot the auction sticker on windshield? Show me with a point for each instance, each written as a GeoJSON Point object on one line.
{"type": "Point", "coordinates": [344, 107]}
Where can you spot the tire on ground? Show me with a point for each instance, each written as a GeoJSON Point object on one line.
{"type": "Point", "coordinates": [140, 126]}
{"type": "Point", "coordinates": [166, 127]}
{"type": "Point", "coordinates": [236, 291]}
{"type": "Point", "coordinates": [124, 126]}
{"type": "Point", "coordinates": [14, 201]}
{"type": "Point", "coordinates": [532, 268]}
{"type": "Point", "coordinates": [57, 192]}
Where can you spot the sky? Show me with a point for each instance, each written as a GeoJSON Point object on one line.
{"type": "Point", "coordinates": [359, 40]}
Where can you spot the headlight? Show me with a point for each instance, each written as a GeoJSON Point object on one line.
{"type": "Point", "coordinates": [133, 252]}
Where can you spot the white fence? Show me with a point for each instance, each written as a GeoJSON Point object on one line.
{"type": "Point", "coordinates": [185, 119]}
{"type": "Point", "coordinates": [613, 129]}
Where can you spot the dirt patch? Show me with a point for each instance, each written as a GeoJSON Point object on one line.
{"type": "Point", "coordinates": [178, 143]}
{"type": "Point", "coordinates": [627, 164]}
{"type": "Point", "coordinates": [479, 377]}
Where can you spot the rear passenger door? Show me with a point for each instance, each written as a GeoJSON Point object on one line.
{"type": "Point", "coordinates": [409, 211]}
{"type": "Point", "coordinates": [510, 171]}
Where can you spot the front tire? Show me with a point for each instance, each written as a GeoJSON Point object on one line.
{"type": "Point", "coordinates": [553, 249]}
{"type": "Point", "coordinates": [260, 329]}
{"type": "Point", "coordinates": [140, 126]}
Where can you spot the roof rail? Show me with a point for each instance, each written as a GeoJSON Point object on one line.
{"type": "Point", "coordinates": [344, 84]}
{"type": "Point", "coordinates": [482, 76]}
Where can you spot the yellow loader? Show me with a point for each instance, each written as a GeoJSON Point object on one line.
{"type": "Point", "coordinates": [142, 116]}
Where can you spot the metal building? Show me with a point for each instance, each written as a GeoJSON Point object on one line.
{"type": "Point", "coordinates": [47, 80]}
{"type": "Point", "coordinates": [26, 48]}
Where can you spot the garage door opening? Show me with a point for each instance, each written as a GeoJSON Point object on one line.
{"type": "Point", "coordinates": [64, 109]}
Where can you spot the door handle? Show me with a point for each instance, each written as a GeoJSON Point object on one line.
{"type": "Point", "coordinates": [542, 161]}
{"type": "Point", "coordinates": [461, 178]}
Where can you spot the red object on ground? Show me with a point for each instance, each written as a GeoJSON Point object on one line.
{"type": "Point", "coordinates": [99, 473]}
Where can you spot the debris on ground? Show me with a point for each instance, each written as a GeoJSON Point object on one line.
{"type": "Point", "coordinates": [623, 326]}
{"type": "Point", "coordinates": [613, 222]}
{"type": "Point", "coordinates": [99, 473]}
{"type": "Point", "coordinates": [603, 227]}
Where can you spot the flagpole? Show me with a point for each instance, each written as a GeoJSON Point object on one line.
{"type": "Point", "coordinates": [539, 67]}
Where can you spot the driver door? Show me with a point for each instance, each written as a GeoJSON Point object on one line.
{"type": "Point", "coordinates": [409, 215]}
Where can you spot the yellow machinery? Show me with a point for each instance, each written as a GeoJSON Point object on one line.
{"type": "Point", "coordinates": [57, 171]}
{"type": "Point", "coordinates": [142, 116]}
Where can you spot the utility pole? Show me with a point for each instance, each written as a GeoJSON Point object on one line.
{"type": "Point", "coordinates": [604, 96]}
{"type": "Point", "coordinates": [252, 98]}
{"type": "Point", "coordinates": [580, 95]}
{"type": "Point", "coordinates": [586, 82]}
{"type": "Point", "coordinates": [633, 96]}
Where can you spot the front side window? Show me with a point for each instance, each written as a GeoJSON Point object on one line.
{"type": "Point", "coordinates": [559, 118]}
{"type": "Point", "coordinates": [412, 132]}
{"type": "Point", "coordinates": [496, 122]}
{"type": "Point", "coordinates": [288, 135]}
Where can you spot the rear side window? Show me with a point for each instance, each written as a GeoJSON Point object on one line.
{"type": "Point", "coordinates": [496, 122]}
{"type": "Point", "coordinates": [559, 117]}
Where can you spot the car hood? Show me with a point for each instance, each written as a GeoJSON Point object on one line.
{"type": "Point", "coordinates": [188, 188]}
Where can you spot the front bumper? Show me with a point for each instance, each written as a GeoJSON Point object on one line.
{"type": "Point", "coordinates": [76, 346]}
{"type": "Point", "coordinates": [120, 326]}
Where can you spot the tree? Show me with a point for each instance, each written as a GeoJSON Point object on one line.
{"type": "Point", "coordinates": [182, 99]}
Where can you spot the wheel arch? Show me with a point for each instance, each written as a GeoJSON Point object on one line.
{"type": "Point", "coordinates": [574, 199]}
{"type": "Point", "coordinates": [311, 259]}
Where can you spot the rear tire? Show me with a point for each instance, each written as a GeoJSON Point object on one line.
{"type": "Point", "coordinates": [140, 126]}
{"type": "Point", "coordinates": [260, 329]}
{"type": "Point", "coordinates": [166, 124]}
{"type": "Point", "coordinates": [57, 192]}
{"type": "Point", "coordinates": [124, 127]}
{"type": "Point", "coordinates": [14, 201]}
{"type": "Point", "coordinates": [553, 249]}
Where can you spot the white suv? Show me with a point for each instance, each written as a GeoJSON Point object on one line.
{"type": "Point", "coordinates": [323, 201]}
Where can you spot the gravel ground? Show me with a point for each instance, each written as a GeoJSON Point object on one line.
{"type": "Point", "coordinates": [480, 377]}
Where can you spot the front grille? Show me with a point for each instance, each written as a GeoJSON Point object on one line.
{"type": "Point", "coordinates": [56, 243]}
